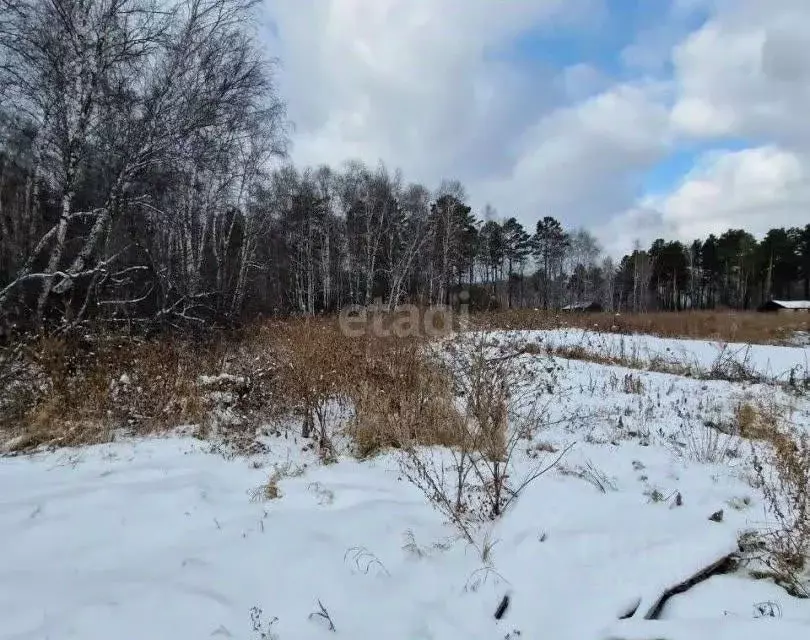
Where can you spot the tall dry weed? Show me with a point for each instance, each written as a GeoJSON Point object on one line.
{"type": "Point", "coordinates": [314, 372]}
{"type": "Point", "coordinates": [501, 409]}
{"type": "Point", "coordinates": [402, 394]}
{"type": "Point", "coordinates": [782, 466]}
{"type": "Point", "coordinates": [92, 387]}
{"type": "Point", "coordinates": [85, 389]}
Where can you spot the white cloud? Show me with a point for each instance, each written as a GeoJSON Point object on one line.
{"type": "Point", "coordinates": [747, 73]}
{"type": "Point", "coordinates": [414, 82]}
{"type": "Point", "coordinates": [754, 189]}
{"type": "Point", "coordinates": [577, 162]}
{"type": "Point", "coordinates": [744, 75]}
{"type": "Point", "coordinates": [420, 84]}
{"type": "Point", "coordinates": [581, 81]}
{"type": "Point", "coordinates": [636, 225]}
{"type": "Point", "coordinates": [407, 81]}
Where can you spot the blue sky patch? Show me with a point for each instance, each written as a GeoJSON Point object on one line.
{"type": "Point", "coordinates": [666, 174]}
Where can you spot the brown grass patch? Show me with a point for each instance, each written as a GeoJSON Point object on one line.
{"type": "Point", "coordinates": [401, 395]}
{"type": "Point", "coordinates": [396, 391]}
{"type": "Point", "coordinates": [758, 420]}
{"type": "Point", "coordinates": [85, 390]}
{"type": "Point", "coordinates": [782, 468]}
{"type": "Point", "coordinates": [314, 369]}
{"type": "Point", "coordinates": [730, 326]}
{"type": "Point", "coordinates": [88, 389]}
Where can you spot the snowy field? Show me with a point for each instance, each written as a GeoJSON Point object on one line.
{"type": "Point", "coordinates": [165, 539]}
{"type": "Point", "coordinates": [701, 357]}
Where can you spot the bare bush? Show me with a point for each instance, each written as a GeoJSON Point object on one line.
{"type": "Point", "coordinates": [782, 469]}
{"type": "Point", "coordinates": [704, 443]}
{"type": "Point", "coordinates": [313, 375]}
{"type": "Point", "coordinates": [733, 365]}
{"type": "Point", "coordinates": [499, 398]}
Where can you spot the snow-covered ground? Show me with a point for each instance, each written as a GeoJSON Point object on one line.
{"type": "Point", "coordinates": [769, 362]}
{"type": "Point", "coordinates": [800, 339]}
{"type": "Point", "coordinates": [163, 539]}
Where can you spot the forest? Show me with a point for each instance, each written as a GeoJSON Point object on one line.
{"type": "Point", "coordinates": [145, 180]}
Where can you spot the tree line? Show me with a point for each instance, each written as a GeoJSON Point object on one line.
{"type": "Point", "coordinates": [143, 179]}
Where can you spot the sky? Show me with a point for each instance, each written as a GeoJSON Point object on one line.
{"type": "Point", "coordinates": [634, 119]}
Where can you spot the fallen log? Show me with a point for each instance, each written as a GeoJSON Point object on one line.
{"type": "Point", "coordinates": [722, 565]}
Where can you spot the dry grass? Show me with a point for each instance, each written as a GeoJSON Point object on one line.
{"type": "Point", "coordinates": [84, 390]}
{"type": "Point", "coordinates": [730, 364]}
{"type": "Point", "coordinates": [402, 395]}
{"type": "Point", "coordinates": [396, 391]}
{"type": "Point", "coordinates": [60, 391]}
{"type": "Point", "coordinates": [629, 361]}
{"type": "Point", "coordinates": [730, 326]}
{"type": "Point", "coordinates": [703, 443]}
{"type": "Point", "coordinates": [314, 372]}
{"type": "Point", "coordinates": [758, 420]}
{"type": "Point", "coordinates": [270, 489]}
{"type": "Point", "coordinates": [87, 389]}
{"type": "Point", "coordinates": [781, 459]}
{"type": "Point", "coordinates": [75, 390]}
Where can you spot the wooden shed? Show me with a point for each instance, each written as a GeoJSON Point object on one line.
{"type": "Point", "coordinates": [583, 307]}
{"type": "Point", "coordinates": [786, 306]}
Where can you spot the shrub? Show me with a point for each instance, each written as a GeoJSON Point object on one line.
{"type": "Point", "coordinates": [84, 389]}
{"type": "Point", "coordinates": [403, 395]}
{"type": "Point", "coordinates": [704, 443]}
{"type": "Point", "coordinates": [71, 390]}
{"type": "Point", "coordinates": [313, 372]}
{"type": "Point", "coordinates": [783, 472]}
{"type": "Point", "coordinates": [500, 407]}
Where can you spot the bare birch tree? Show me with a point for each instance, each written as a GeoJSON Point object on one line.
{"type": "Point", "coordinates": [127, 96]}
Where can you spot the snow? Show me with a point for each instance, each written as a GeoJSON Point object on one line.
{"type": "Point", "coordinates": [222, 379]}
{"type": "Point", "coordinates": [793, 304]}
{"type": "Point", "coordinates": [166, 538]}
{"type": "Point", "coordinates": [726, 629]}
{"type": "Point", "coordinates": [800, 339]}
{"type": "Point", "coordinates": [770, 362]}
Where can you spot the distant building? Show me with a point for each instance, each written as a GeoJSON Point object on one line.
{"type": "Point", "coordinates": [786, 306]}
{"type": "Point", "coordinates": [583, 307]}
